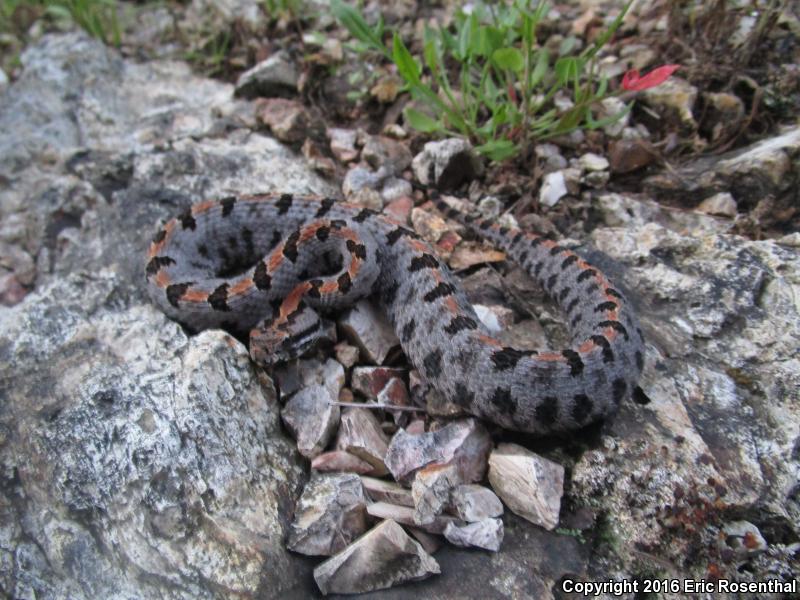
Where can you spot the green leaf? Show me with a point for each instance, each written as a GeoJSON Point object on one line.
{"type": "Point", "coordinates": [570, 120]}
{"type": "Point", "coordinates": [510, 59]}
{"type": "Point", "coordinates": [420, 121]}
{"type": "Point", "coordinates": [431, 55]}
{"type": "Point", "coordinates": [568, 69]}
{"type": "Point", "coordinates": [567, 45]}
{"type": "Point", "coordinates": [406, 65]}
{"type": "Point", "coordinates": [540, 70]}
{"type": "Point", "coordinates": [606, 35]}
{"type": "Point", "coordinates": [498, 150]}
{"type": "Point", "coordinates": [357, 26]}
{"type": "Point", "coordinates": [493, 38]}
{"type": "Point", "coordinates": [59, 12]}
{"type": "Point", "coordinates": [592, 124]}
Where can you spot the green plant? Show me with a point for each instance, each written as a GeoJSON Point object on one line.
{"type": "Point", "coordinates": [283, 9]}
{"type": "Point", "coordinates": [97, 17]}
{"type": "Point", "coordinates": [489, 80]}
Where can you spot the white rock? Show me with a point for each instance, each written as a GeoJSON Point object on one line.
{"type": "Point", "coordinates": [530, 485]}
{"type": "Point", "coordinates": [593, 162]}
{"type": "Point", "coordinates": [486, 534]}
{"type": "Point", "coordinates": [474, 503]}
{"type": "Point", "coordinates": [722, 204]}
{"type": "Point", "coordinates": [612, 106]}
{"type": "Point", "coordinates": [553, 188]}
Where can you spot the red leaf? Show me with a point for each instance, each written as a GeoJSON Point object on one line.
{"type": "Point", "coordinates": [632, 82]}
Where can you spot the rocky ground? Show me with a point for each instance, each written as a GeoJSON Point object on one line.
{"type": "Point", "coordinates": [140, 461]}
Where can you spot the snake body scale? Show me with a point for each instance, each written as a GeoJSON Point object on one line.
{"type": "Point", "coordinates": [265, 262]}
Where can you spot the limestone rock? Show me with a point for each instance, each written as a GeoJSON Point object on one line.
{"type": "Point", "coordinates": [297, 374]}
{"type": "Point", "coordinates": [329, 515]}
{"type": "Point", "coordinates": [431, 491]}
{"type": "Point", "coordinates": [384, 152]}
{"type": "Point", "coordinates": [380, 559]}
{"type": "Point", "coordinates": [340, 461]}
{"type": "Point", "coordinates": [275, 76]}
{"type": "Point", "coordinates": [721, 204]}
{"type": "Point", "coordinates": [473, 503]}
{"type": "Point", "coordinates": [528, 484]}
{"type": "Point", "coordinates": [145, 441]}
{"type": "Point", "coordinates": [380, 490]}
{"type": "Point", "coordinates": [366, 326]}
{"type": "Point", "coordinates": [486, 534]}
{"type": "Point", "coordinates": [553, 188]}
{"type": "Point", "coordinates": [445, 164]}
{"type": "Point", "coordinates": [405, 516]}
{"type": "Point", "coordinates": [312, 419]}
{"type": "Point", "coordinates": [360, 434]}
{"type": "Point", "coordinates": [593, 162]}
{"type": "Point", "coordinates": [464, 443]}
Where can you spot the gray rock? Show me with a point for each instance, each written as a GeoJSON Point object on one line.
{"type": "Point", "coordinates": [405, 516]}
{"type": "Point", "coordinates": [445, 164]}
{"type": "Point", "coordinates": [340, 461]}
{"type": "Point", "coordinates": [394, 188]}
{"type": "Point", "coordinates": [528, 484]}
{"type": "Point", "coordinates": [300, 373]}
{"type": "Point", "coordinates": [367, 327]}
{"type": "Point", "coordinates": [123, 433]}
{"type": "Point", "coordinates": [380, 490]}
{"type": "Point", "coordinates": [762, 169]}
{"type": "Point", "coordinates": [384, 557]}
{"type": "Point", "coordinates": [343, 144]}
{"type": "Point", "coordinates": [382, 152]}
{"type": "Point", "coordinates": [346, 354]}
{"type": "Point", "coordinates": [722, 368]}
{"type": "Point", "coordinates": [431, 491]}
{"type": "Point", "coordinates": [360, 434]}
{"type": "Point", "coordinates": [596, 179]}
{"type": "Point", "coordinates": [464, 443]}
{"type": "Point", "coordinates": [550, 157]}
{"type": "Point", "coordinates": [330, 514]}
{"type": "Point", "coordinates": [486, 534]}
{"type": "Point", "coordinates": [222, 14]}
{"type": "Point", "coordinates": [312, 419]}
{"type": "Point", "coordinates": [473, 503]}
{"type": "Point", "coordinates": [99, 101]}
{"type": "Point", "coordinates": [360, 178]}
{"type": "Point", "coordinates": [275, 76]}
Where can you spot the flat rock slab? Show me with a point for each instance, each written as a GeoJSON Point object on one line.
{"type": "Point", "coordinates": [384, 557]}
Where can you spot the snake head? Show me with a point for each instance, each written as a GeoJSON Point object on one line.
{"type": "Point", "coordinates": [281, 339]}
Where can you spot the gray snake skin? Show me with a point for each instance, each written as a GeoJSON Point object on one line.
{"type": "Point", "coordinates": [263, 262]}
